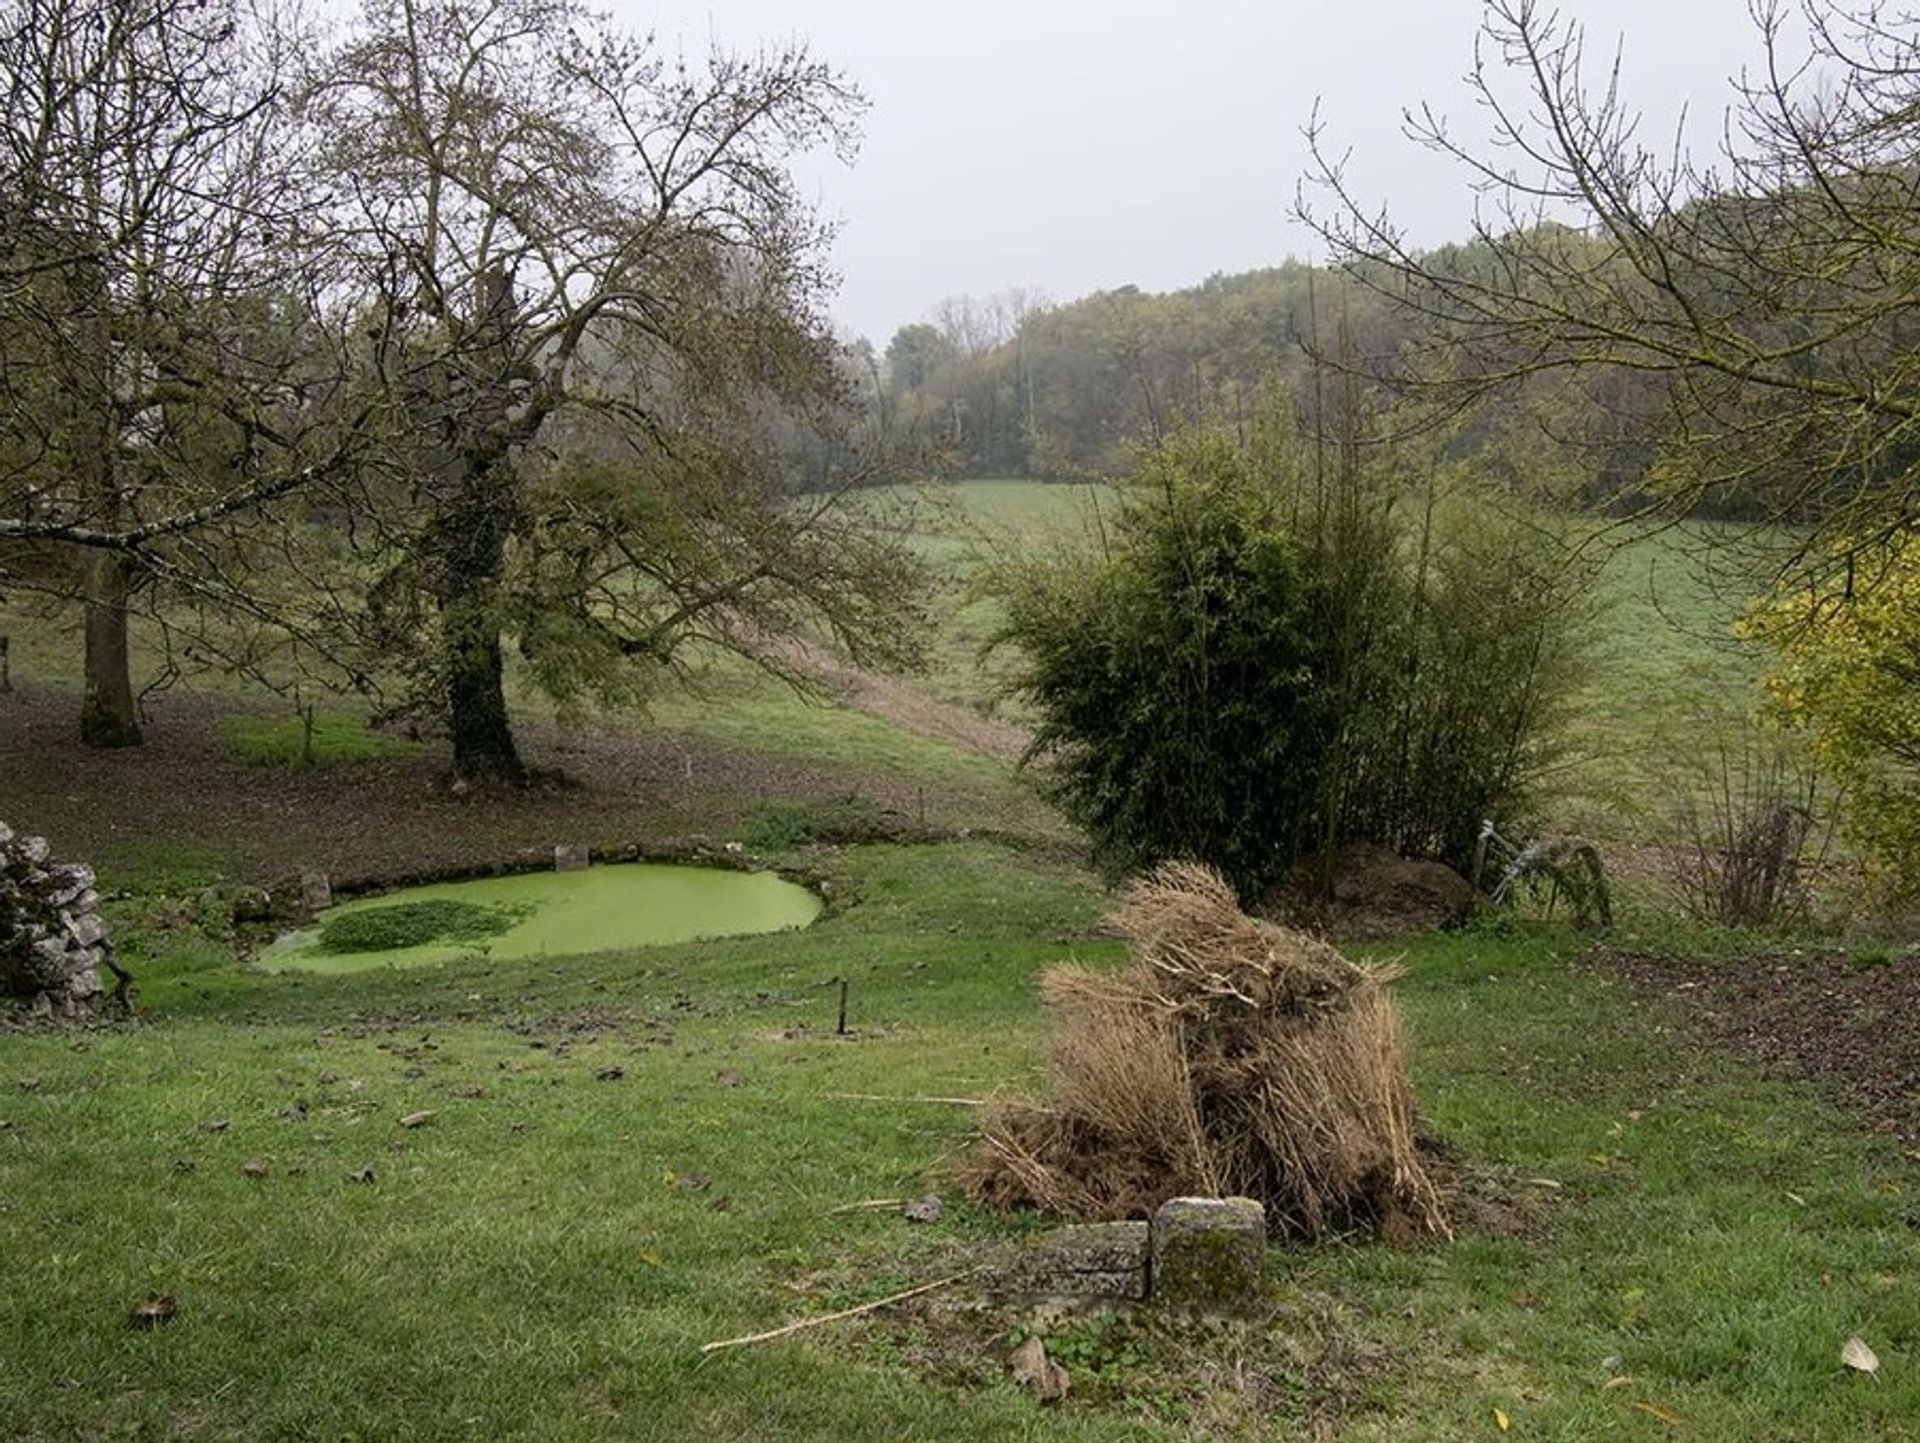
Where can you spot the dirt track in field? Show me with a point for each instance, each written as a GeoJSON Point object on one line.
{"type": "Point", "coordinates": [898, 700]}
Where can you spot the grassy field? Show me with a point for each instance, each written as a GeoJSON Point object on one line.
{"type": "Point", "coordinates": [633, 1153]}
{"type": "Point", "coordinates": [1667, 673]}
{"type": "Point", "coordinates": [629, 1155]}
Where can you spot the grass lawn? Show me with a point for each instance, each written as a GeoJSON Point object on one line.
{"type": "Point", "coordinates": [633, 1153]}
{"type": "Point", "coordinates": [543, 1257]}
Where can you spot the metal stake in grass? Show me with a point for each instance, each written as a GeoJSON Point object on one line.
{"type": "Point", "coordinates": [840, 1027]}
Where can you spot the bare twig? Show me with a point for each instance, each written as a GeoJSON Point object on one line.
{"type": "Point", "coordinates": [803, 1324]}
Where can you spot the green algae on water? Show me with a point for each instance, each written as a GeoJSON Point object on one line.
{"type": "Point", "coordinates": [545, 914]}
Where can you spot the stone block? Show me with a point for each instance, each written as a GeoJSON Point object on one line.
{"type": "Point", "coordinates": [1093, 1261]}
{"type": "Point", "coordinates": [571, 858]}
{"type": "Point", "coordinates": [316, 891]}
{"type": "Point", "coordinates": [1207, 1254]}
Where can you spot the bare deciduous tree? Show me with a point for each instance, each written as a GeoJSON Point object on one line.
{"type": "Point", "coordinates": [1768, 299]}
{"type": "Point", "coordinates": [161, 359]}
{"type": "Point", "coordinates": [590, 291]}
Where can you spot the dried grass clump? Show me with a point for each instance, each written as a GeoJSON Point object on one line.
{"type": "Point", "coordinates": [1234, 1057]}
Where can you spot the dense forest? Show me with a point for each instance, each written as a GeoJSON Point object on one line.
{"type": "Point", "coordinates": [1008, 385]}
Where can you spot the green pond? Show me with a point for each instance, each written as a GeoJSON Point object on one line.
{"type": "Point", "coordinates": [542, 914]}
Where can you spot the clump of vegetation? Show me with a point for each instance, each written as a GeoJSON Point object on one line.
{"type": "Point", "coordinates": [783, 826]}
{"type": "Point", "coordinates": [302, 743]}
{"type": "Point", "coordinates": [413, 924]}
{"type": "Point", "coordinates": [1846, 641]}
{"type": "Point", "coordinates": [1258, 665]}
{"type": "Point", "coordinates": [778, 827]}
{"type": "Point", "coordinates": [1749, 829]}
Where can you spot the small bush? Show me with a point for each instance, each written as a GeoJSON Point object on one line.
{"type": "Point", "coordinates": [783, 826]}
{"type": "Point", "coordinates": [413, 924]}
{"type": "Point", "coordinates": [1749, 831]}
{"type": "Point", "coordinates": [778, 827]}
{"type": "Point", "coordinates": [1846, 642]}
{"type": "Point", "coordinates": [285, 741]}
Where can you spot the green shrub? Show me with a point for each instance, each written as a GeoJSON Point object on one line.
{"type": "Point", "coordinates": [783, 826]}
{"type": "Point", "coordinates": [778, 827]}
{"type": "Point", "coordinates": [284, 741]}
{"type": "Point", "coordinates": [413, 924]}
{"type": "Point", "coordinates": [1253, 666]}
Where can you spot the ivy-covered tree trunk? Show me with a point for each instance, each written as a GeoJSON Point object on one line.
{"type": "Point", "coordinates": [473, 548]}
{"type": "Point", "coordinates": [475, 541]}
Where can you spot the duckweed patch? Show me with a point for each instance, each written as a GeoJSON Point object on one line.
{"type": "Point", "coordinates": [414, 924]}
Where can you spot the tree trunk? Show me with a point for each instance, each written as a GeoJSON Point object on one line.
{"type": "Point", "coordinates": [107, 716]}
{"type": "Point", "coordinates": [475, 542]}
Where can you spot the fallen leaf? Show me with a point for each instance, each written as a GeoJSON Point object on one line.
{"type": "Point", "coordinates": [1035, 1371]}
{"type": "Point", "coordinates": [722, 1204]}
{"type": "Point", "coordinates": [364, 1175]}
{"type": "Point", "coordinates": [1858, 1356]}
{"type": "Point", "coordinates": [928, 1209]}
{"type": "Point", "coordinates": [157, 1308]}
{"type": "Point", "coordinates": [417, 1119]}
{"type": "Point", "coordinates": [650, 1258]}
{"type": "Point", "coordinates": [693, 1182]}
{"type": "Point", "coordinates": [254, 1167]}
{"type": "Point", "coordinates": [218, 1124]}
{"type": "Point", "coordinates": [610, 1074]}
{"type": "Point", "coordinates": [183, 1164]}
{"type": "Point", "coordinates": [1501, 1420]}
{"type": "Point", "coordinates": [727, 1077]}
{"type": "Point", "coordinates": [29, 1084]}
{"type": "Point", "coordinates": [1625, 1380]}
{"type": "Point", "coordinates": [468, 1089]}
{"type": "Point", "coordinates": [1665, 1415]}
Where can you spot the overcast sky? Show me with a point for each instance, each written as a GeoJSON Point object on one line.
{"type": "Point", "coordinates": [1074, 145]}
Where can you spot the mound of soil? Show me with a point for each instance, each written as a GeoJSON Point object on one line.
{"type": "Point", "coordinates": [1852, 1029]}
{"type": "Point", "coordinates": [1374, 895]}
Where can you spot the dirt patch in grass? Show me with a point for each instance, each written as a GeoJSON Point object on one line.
{"type": "Point", "coordinates": [1850, 1025]}
{"type": "Point", "coordinates": [186, 792]}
